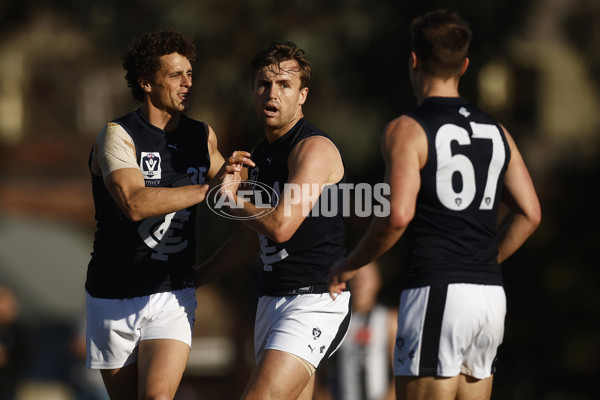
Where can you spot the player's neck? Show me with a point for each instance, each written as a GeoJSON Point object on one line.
{"type": "Point", "coordinates": [436, 87]}
{"type": "Point", "coordinates": [275, 132]}
{"type": "Point", "coordinates": [160, 118]}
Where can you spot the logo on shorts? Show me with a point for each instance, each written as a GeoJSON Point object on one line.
{"type": "Point", "coordinates": [316, 333]}
{"type": "Point", "coordinates": [400, 343]}
{"type": "Point", "coordinates": [400, 349]}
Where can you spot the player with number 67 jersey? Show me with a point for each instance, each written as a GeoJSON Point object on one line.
{"type": "Point", "coordinates": [452, 237]}
{"type": "Point", "coordinates": [449, 165]}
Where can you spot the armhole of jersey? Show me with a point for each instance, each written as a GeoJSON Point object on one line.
{"type": "Point", "coordinates": [506, 145]}
{"type": "Point", "coordinates": [428, 162]}
{"type": "Point", "coordinates": [206, 138]}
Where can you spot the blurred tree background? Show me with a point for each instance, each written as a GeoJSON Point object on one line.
{"type": "Point", "coordinates": [534, 65]}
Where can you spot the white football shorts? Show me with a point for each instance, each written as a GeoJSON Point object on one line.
{"type": "Point", "coordinates": [310, 326]}
{"type": "Point", "coordinates": [446, 330]}
{"type": "Point", "coordinates": [116, 326]}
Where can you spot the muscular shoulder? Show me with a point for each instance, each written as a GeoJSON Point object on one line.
{"type": "Point", "coordinates": [315, 148]}
{"type": "Point", "coordinates": [319, 153]}
{"type": "Point", "coordinates": [114, 134]}
{"type": "Point", "coordinates": [114, 149]}
{"type": "Point", "coordinates": [316, 143]}
{"type": "Point", "coordinates": [403, 127]}
{"type": "Point", "coordinates": [404, 134]}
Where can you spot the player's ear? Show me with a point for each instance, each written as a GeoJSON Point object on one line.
{"type": "Point", "coordinates": [303, 95]}
{"type": "Point", "coordinates": [464, 66]}
{"type": "Point", "coordinates": [412, 61]}
{"type": "Point", "coordinates": [145, 85]}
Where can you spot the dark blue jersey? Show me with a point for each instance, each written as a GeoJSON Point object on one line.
{"type": "Point", "coordinates": [305, 259]}
{"type": "Point", "coordinates": [453, 236]}
{"type": "Point", "coordinates": [154, 255]}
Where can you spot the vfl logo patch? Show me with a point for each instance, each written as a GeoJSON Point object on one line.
{"type": "Point", "coordinates": [316, 333]}
{"type": "Point", "coordinates": [150, 165]}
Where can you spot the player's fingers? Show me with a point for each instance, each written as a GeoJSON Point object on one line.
{"type": "Point", "coordinates": [240, 157]}
{"type": "Point", "coordinates": [336, 289]}
{"type": "Point", "coordinates": [231, 168]}
{"type": "Point", "coordinates": [332, 294]}
{"type": "Point", "coordinates": [242, 153]}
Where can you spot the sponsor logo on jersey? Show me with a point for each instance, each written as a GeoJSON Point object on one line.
{"type": "Point", "coordinates": [150, 165]}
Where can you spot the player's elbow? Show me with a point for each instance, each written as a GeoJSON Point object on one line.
{"type": "Point", "coordinates": [281, 235]}
{"type": "Point", "coordinates": [535, 218]}
{"type": "Point", "coordinates": [282, 231]}
{"type": "Point", "coordinates": [399, 218]}
{"type": "Point", "coordinates": [134, 217]}
{"type": "Point", "coordinates": [132, 212]}
{"type": "Point", "coordinates": [532, 214]}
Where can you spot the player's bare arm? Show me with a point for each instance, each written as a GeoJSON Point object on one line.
{"type": "Point", "coordinates": [315, 161]}
{"type": "Point", "coordinates": [216, 159]}
{"type": "Point", "coordinates": [221, 167]}
{"type": "Point", "coordinates": [404, 148]}
{"type": "Point", "coordinates": [520, 196]}
{"type": "Point", "coordinates": [127, 187]}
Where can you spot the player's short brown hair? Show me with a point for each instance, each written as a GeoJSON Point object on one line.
{"type": "Point", "coordinates": [277, 52]}
{"type": "Point", "coordinates": [141, 60]}
{"type": "Point", "coordinates": [440, 39]}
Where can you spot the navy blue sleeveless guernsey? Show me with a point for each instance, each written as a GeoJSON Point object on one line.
{"type": "Point", "coordinates": [299, 265]}
{"type": "Point", "coordinates": [154, 255]}
{"type": "Point", "coordinates": [453, 236]}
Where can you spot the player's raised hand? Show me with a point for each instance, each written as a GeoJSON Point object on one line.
{"type": "Point", "coordinates": [237, 161]}
{"type": "Point", "coordinates": [231, 173]}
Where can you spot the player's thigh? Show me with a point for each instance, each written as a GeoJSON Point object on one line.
{"type": "Point", "coordinates": [470, 388]}
{"type": "Point", "coordinates": [121, 383]}
{"type": "Point", "coordinates": [278, 376]}
{"type": "Point", "coordinates": [309, 388]}
{"type": "Point", "coordinates": [161, 363]}
{"type": "Point", "coordinates": [426, 387]}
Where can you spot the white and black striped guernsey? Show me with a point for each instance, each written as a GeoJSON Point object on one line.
{"type": "Point", "coordinates": [363, 359]}
{"type": "Point", "coordinates": [301, 264]}
{"type": "Point", "coordinates": [453, 236]}
{"type": "Point", "coordinates": [154, 255]}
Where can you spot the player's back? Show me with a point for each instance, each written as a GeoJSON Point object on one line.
{"type": "Point", "coordinates": [453, 236]}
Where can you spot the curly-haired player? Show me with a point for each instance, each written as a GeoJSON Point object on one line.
{"type": "Point", "coordinates": [149, 169]}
